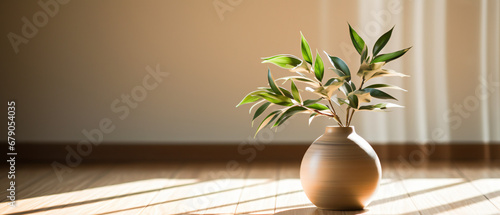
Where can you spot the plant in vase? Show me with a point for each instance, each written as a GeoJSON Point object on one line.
{"type": "Point", "coordinates": [340, 170]}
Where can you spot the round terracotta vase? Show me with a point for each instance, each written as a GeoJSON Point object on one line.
{"type": "Point", "coordinates": [340, 170]}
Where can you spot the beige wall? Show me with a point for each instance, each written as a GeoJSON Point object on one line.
{"type": "Point", "coordinates": [90, 53]}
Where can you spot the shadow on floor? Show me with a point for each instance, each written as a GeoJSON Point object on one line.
{"type": "Point", "coordinates": [316, 211]}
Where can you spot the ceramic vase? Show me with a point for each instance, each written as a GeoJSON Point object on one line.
{"type": "Point", "coordinates": [340, 170]}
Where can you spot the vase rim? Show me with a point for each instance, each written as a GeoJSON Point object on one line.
{"type": "Point", "coordinates": [338, 129]}
{"type": "Point", "coordinates": [336, 126]}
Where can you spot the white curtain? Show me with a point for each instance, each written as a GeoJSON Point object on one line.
{"type": "Point", "coordinates": [454, 89]}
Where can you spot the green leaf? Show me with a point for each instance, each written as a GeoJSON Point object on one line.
{"type": "Point", "coordinates": [276, 99]}
{"type": "Point", "coordinates": [364, 54]}
{"type": "Point", "coordinates": [330, 81]}
{"type": "Point", "coordinates": [348, 87]}
{"type": "Point", "coordinates": [251, 97]}
{"type": "Point", "coordinates": [311, 117]}
{"type": "Point", "coordinates": [372, 107]}
{"type": "Point", "coordinates": [381, 42]}
{"type": "Point", "coordinates": [299, 78]}
{"type": "Point", "coordinates": [260, 110]}
{"type": "Point", "coordinates": [306, 50]}
{"type": "Point", "coordinates": [331, 88]}
{"type": "Point", "coordinates": [266, 89]}
{"type": "Point", "coordinates": [342, 101]}
{"type": "Point", "coordinates": [303, 67]}
{"type": "Point", "coordinates": [357, 41]}
{"type": "Point", "coordinates": [378, 94]}
{"type": "Point", "coordinates": [311, 101]}
{"type": "Point", "coordinates": [353, 101]}
{"type": "Point", "coordinates": [317, 106]}
{"type": "Point", "coordinates": [389, 57]}
{"type": "Point", "coordinates": [363, 96]}
{"type": "Point", "coordinates": [287, 114]}
{"type": "Point", "coordinates": [338, 72]}
{"type": "Point", "coordinates": [319, 68]}
{"type": "Point", "coordinates": [256, 104]}
{"type": "Point", "coordinates": [381, 106]}
{"type": "Point", "coordinates": [353, 86]}
{"type": "Point", "coordinates": [373, 70]}
{"type": "Point", "coordinates": [248, 99]}
{"type": "Point", "coordinates": [272, 84]}
{"type": "Point", "coordinates": [295, 93]}
{"type": "Point", "coordinates": [286, 92]}
{"type": "Point", "coordinates": [385, 86]}
{"type": "Point", "coordinates": [369, 107]}
{"type": "Point", "coordinates": [366, 70]}
{"type": "Point", "coordinates": [340, 64]}
{"type": "Point", "coordinates": [281, 121]}
{"type": "Point", "coordinates": [283, 61]}
{"type": "Point", "coordinates": [386, 73]}
{"type": "Point", "coordinates": [266, 121]}
{"type": "Point", "coordinates": [326, 91]}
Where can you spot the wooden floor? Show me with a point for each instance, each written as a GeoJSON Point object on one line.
{"type": "Point", "coordinates": [245, 188]}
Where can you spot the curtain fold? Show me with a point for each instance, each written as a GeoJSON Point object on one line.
{"type": "Point", "coordinates": [454, 89]}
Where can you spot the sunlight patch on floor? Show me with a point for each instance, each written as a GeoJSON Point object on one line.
{"type": "Point", "coordinates": [449, 194]}
{"type": "Point", "coordinates": [258, 196]}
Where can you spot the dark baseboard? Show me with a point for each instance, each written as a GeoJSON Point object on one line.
{"type": "Point", "coordinates": [48, 152]}
{"type": "Point", "coordinates": [450, 151]}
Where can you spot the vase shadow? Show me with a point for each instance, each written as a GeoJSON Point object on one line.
{"type": "Point", "coordinates": [316, 211]}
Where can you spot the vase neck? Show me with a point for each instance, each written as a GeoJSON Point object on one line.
{"type": "Point", "coordinates": [339, 131]}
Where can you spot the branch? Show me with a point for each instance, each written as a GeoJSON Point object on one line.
{"type": "Point", "coordinates": [347, 116]}
{"type": "Point", "coordinates": [362, 82]}
{"type": "Point", "coordinates": [324, 114]}
{"type": "Point", "coordinates": [335, 114]}
{"type": "Point", "coordinates": [350, 118]}
{"type": "Point", "coordinates": [354, 110]}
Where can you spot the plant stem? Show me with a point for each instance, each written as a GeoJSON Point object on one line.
{"type": "Point", "coordinates": [362, 82]}
{"type": "Point", "coordinates": [334, 113]}
{"type": "Point", "coordinates": [350, 118]}
{"type": "Point", "coordinates": [316, 111]}
{"type": "Point", "coordinates": [335, 116]}
{"type": "Point", "coordinates": [324, 114]}
{"type": "Point", "coordinates": [347, 116]}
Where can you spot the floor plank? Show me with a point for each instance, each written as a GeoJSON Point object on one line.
{"type": "Point", "coordinates": [46, 193]}
{"type": "Point", "coordinates": [25, 176]}
{"type": "Point", "coordinates": [485, 177]}
{"type": "Point", "coordinates": [254, 188]}
{"type": "Point", "coordinates": [438, 188]}
{"type": "Point", "coordinates": [195, 188]}
{"type": "Point", "coordinates": [291, 199]}
{"type": "Point", "coordinates": [259, 194]}
{"type": "Point", "coordinates": [390, 197]}
{"type": "Point", "coordinates": [126, 189]}
{"type": "Point", "coordinates": [228, 187]}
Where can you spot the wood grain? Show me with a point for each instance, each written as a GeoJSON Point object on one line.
{"type": "Point", "coordinates": [139, 152]}
{"type": "Point", "coordinates": [259, 194]}
{"type": "Point", "coordinates": [485, 177]}
{"type": "Point", "coordinates": [248, 188]}
{"type": "Point", "coordinates": [291, 199]}
{"type": "Point", "coordinates": [391, 196]}
{"type": "Point", "coordinates": [439, 188]}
